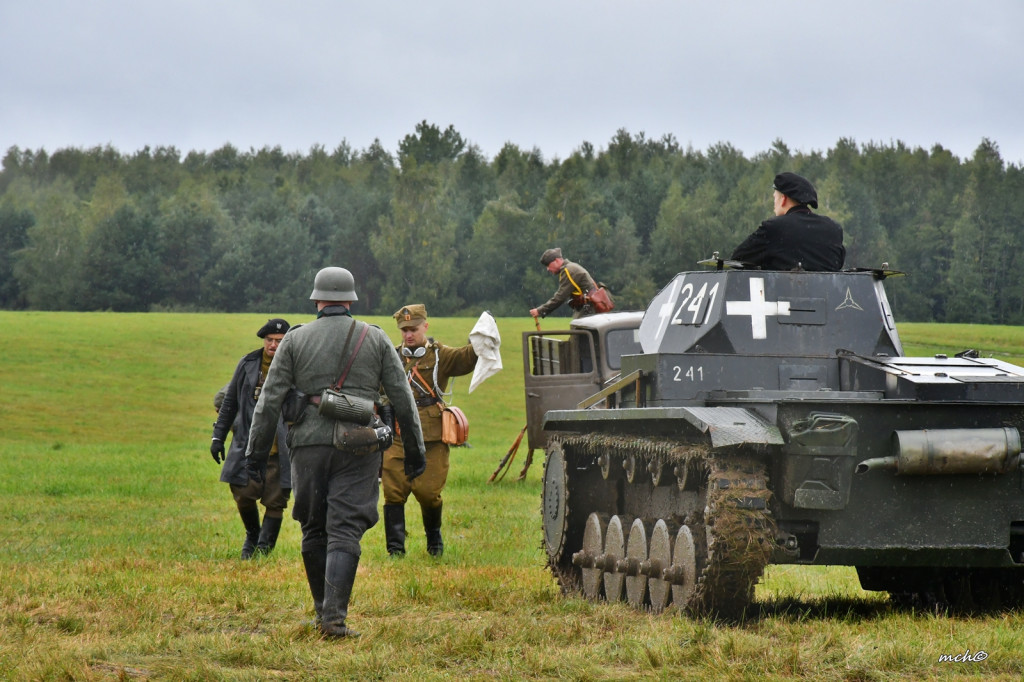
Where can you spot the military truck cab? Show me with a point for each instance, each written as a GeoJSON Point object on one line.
{"type": "Point", "coordinates": [564, 366]}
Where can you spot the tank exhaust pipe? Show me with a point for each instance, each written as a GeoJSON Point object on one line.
{"type": "Point", "coordinates": [950, 451]}
{"type": "Point", "coordinates": [877, 463]}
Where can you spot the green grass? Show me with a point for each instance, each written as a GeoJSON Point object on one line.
{"type": "Point", "coordinates": [118, 545]}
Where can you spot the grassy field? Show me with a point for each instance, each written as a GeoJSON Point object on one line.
{"type": "Point", "coordinates": [119, 544]}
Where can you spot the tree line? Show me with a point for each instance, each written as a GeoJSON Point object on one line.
{"type": "Point", "coordinates": [439, 223]}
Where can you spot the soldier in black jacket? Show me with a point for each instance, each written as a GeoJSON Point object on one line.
{"type": "Point", "coordinates": [235, 415]}
{"type": "Point", "coordinates": [795, 239]}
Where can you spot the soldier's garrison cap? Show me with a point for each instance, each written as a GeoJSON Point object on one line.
{"type": "Point", "coordinates": [797, 188]}
{"type": "Point", "coordinates": [273, 326]}
{"type": "Point", "coordinates": [550, 255]}
{"type": "Point", "coordinates": [412, 315]}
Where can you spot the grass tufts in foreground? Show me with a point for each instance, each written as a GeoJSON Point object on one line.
{"type": "Point", "coordinates": [119, 545]}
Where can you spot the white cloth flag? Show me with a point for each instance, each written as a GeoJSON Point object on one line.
{"type": "Point", "coordinates": [487, 343]}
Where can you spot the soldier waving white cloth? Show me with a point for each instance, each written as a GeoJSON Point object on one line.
{"type": "Point", "coordinates": [487, 344]}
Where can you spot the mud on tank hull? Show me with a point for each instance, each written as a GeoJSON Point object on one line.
{"type": "Point", "coordinates": [824, 447]}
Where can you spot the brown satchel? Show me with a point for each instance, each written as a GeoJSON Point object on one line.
{"type": "Point", "coordinates": [454, 425]}
{"type": "Point", "coordinates": [598, 297]}
{"type": "Point", "coordinates": [600, 300]}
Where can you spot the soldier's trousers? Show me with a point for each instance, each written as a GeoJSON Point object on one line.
{"type": "Point", "coordinates": [269, 492]}
{"type": "Point", "coordinates": [335, 497]}
{"type": "Point", "coordinates": [426, 487]}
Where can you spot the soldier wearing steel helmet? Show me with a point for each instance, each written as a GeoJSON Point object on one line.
{"type": "Point", "coordinates": [796, 238]}
{"type": "Point", "coordinates": [336, 491]}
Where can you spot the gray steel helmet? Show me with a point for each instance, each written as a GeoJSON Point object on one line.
{"type": "Point", "coordinates": [334, 284]}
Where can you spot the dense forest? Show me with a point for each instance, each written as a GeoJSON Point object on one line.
{"type": "Point", "coordinates": [439, 223]}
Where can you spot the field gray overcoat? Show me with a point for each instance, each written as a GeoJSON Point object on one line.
{"type": "Point", "coordinates": [300, 362]}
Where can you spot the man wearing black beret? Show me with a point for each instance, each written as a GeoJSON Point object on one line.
{"type": "Point", "coordinates": [796, 238]}
{"type": "Point", "coordinates": [235, 414]}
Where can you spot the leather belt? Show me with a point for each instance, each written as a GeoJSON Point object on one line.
{"type": "Point", "coordinates": [426, 402]}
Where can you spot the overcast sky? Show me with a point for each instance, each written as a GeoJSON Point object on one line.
{"type": "Point", "coordinates": [550, 74]}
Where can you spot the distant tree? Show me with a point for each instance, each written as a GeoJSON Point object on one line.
{"type": "Point", "coordinates": [262, 267]}
{"type": "Point", "coordinates": [501, 255]}
{"type": "Point", "coordinates": [187, 229]}
{"type": "Point", "coordinates": [14, 226]}
{"type": "Point", "coordinates": [686, 231]}
{"type": "Point", "coordinates": [414, 245]}
{"type": "Point", "coordinates": [430, 145]}
{"type": "Point", "coordinates": [120, 267]}
{"type": "Point", "coordinates": [48, 267]}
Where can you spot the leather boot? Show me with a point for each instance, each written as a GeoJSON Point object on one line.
{"type": "Point", "coordinates": [432, 525]}
{"type": "Point", "coordinates": [251, 521]}
{"type": "Point", "coordinates": [269, 531]}
{"type": "Point", "coordinates": [394, 529]}
{"type": "Point", "coordinates": [315, 563]}
{"type": "Point", "coordinates": [340, 575]}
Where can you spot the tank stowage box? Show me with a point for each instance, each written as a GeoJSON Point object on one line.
{"type": "Point", "coordinates": [771, 417]}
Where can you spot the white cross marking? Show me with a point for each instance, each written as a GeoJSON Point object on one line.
{"type": "Point", "coordinates": [758, 308]}
{"type": "Point", "coordinates": [665, 311]}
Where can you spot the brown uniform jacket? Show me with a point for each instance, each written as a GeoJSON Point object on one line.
{"type": "Point", "coordinates": [567, 292]}
{"type": "Point", "coordinates": [450, 362]}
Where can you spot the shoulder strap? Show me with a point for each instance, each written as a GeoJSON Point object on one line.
{"type": "Point", "coordinates": [579, 292]}
{"type": "Point", "coordinates": [359, 343]}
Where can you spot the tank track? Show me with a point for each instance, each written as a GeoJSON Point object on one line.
{"type": "Point", "coordinates": [730, 518]}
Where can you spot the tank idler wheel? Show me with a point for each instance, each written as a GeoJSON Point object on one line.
{"type": "Point", "coordinates": [614, 550]}
{"type": "Point", "coordinates": [555, 509]}
{"type": "Point", "coordinates": [629, 466]}
{"type": "Point", "coordinates": [629, 566]}
{"type": "Point", "coordinates": [590, 559]}
{"type": "Point", "coordinates": [682, 574]}
{"type": "Point", "coordinates": [659, 558]}
{"type": "Point", "coordinates": [656, 468]}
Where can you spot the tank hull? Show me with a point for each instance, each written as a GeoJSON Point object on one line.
{"type": "Point", "coordinates": [772, 418]}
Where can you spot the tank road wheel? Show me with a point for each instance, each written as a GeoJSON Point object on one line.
{"type": "Point", "coordinates": [682, 574]}
{"type": "Point", "coordinates": [636, 555]}
{"type": "Point", "coordinates": [659, 558]}
{"type": "Point", "coordinates": [556, 518]}
{"type": "Point", "coordinates": [614, 550]}
{"type": "Point", "coordinates": [590, 559]}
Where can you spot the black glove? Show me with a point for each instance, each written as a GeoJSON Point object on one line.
{"type": "Point", "coordinates": [415, 459]}
{"type": "Point", "coordinates": [217, 450]}
{"type": "Point", "coordinates": [257, 469]}
{"type": "Point", "coordinates": [387, 415]}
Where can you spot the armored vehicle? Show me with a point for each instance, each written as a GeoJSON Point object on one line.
{"type": "Point", "coordinates": [772, 417]}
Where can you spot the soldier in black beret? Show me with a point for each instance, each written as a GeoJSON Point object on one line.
{"type": "Point", "coordinates": [275, 325]}
{"type": "Point", "coordinates": [235, 415]}
{"type": "Point", "coordinates": [796, 238]}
